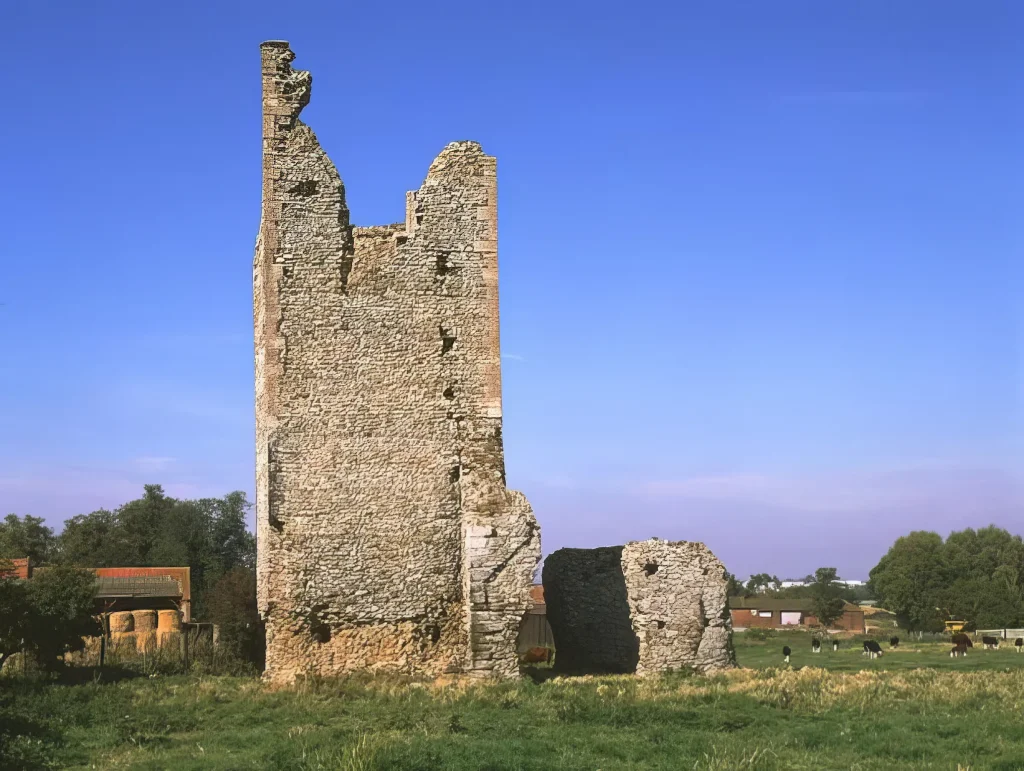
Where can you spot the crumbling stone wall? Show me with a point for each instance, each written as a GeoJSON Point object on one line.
{"type": "Point", "coordinates": [645, 607]}
{"type": "Point", "coordinates": [386, 536]}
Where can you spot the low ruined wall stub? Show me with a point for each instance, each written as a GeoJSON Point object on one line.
{"type": "Point", "coordinates": [646, 607]}
{"type": "Point", "coordinates": [588, 611]}
{"type": "Point", "coordinates": [386, 536]}
{"type": "Point", "coordinates": [678, 603]}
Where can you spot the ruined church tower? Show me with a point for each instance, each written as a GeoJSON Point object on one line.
{"type": "Point", "coordinates": [386, 536]}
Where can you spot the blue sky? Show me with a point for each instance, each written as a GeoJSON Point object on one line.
{"type": "Point", "coordinates": [760, 269]}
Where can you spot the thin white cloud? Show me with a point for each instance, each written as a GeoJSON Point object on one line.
{"type": "Point", "coordinates": [513, 357]}
{"type": "Point", "coordinates": [849, 492]}
{"type": "Point", "coordinates": [153, 463]}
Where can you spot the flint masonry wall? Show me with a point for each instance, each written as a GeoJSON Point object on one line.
{"type": "Point", "coordinates": [588, 611]}
{"type": "Point", "coordinates": [645, 607]}
{"type": "Point", "coordinates": [386, 536]}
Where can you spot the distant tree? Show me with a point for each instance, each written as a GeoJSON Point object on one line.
{"type": "Point", "coordinates": [60, 615]}
{"type": "Point", "coordinates": [25, 537]}
{"type": "Point", "coordinates": [92, 540]}
{"type": "Point", "coordinates": [14, 616]}
{"type": "Point", "coordinates": [975, 575]}
{"type": "Point", "coordinates": [827, 602]}
{"type": "Point", "coordinates": [910, 581]}
{"type": "Point", "coordinates": [207, 535]}
{"type": "Point", "coordinates": [142, 525]}
{"type": "Point", "coordinates": [232, 606]}
{"type": "Point", "coordinates": [233, 544]}
{"type": "Point", "coordinates": [734, 587]}
{"type": "Point", "coordinates": [763, 582]}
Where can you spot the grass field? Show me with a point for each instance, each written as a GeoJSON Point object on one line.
{"type": "Point", "coordinates": [907, 710]}
{"type": "Point", "coordinates": [849, 658]}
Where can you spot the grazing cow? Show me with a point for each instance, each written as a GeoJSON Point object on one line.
{"type": "Point", "coordinates": [894, 641]}
{"type": "Point", "coordinates": [958, 650]}
{"type": "Point", "coordinates": [785, 653]}
{"type": "Point", "coordinates": [990, 642]}
{"type": "Point", "coordinates": [815, 645]}
{"type": "Point", "coordinates": [962, 639]}
{"type": "Point", "coordinates": [835, 645]}
{"type": "Point", "coordinates": [1019, 644]}
{"type": "Point", "coordinates": [537, 656]}
{"type": "Point", "coordinates": [874, 649]}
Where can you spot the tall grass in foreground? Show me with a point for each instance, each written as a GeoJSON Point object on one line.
{"type": "Point", "coordinates": [745, 719]}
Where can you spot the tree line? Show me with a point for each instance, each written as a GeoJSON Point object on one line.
{"type": "Point", "coordinates": [976, 576]}
{"type": "Point", "coordinates": [208, 535]}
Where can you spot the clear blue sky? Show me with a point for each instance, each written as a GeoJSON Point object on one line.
{"type": "Point", "coordinates": [760, 262]}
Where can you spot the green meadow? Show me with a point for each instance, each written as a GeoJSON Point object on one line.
{"type": "Point", "coordinates": [914, 708]}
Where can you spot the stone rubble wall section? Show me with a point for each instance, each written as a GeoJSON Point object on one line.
{"type": "Point", "coordinates": [679, 606]}
{"type": "Point", "coordinates": [386, 536]}
{"type": "Point", "coordinates": [646, 607]}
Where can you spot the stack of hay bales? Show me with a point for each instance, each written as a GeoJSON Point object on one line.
{"type": "Point", "coordinates": [145, 629]}
{"type": "Point", "coordinates": [168, 627]}
{"type": "Point", "coordinates": [122, 629]}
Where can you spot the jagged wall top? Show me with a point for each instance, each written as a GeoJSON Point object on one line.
{"type": "Point", "coordinates": [292, 87]}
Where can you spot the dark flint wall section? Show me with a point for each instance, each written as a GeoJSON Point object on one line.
{"type": "Point", "coordinates": [588, 611]}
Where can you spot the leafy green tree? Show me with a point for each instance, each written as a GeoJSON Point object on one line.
{"type": "Point", "coordinates": [734, 587]}
{"type": "Point", "coordinates": [25, 537]}
{"type": "Point", "coordinates": [910, 580]}
{"type": "Point", "coordinates": [827, 601]}
{"type": "Point", "coordinates": [763, 582]}
{"type": "Point", "coordinates": [92, 540]}
{"type": "Point", "coordinates": [232, 606]}
{"type": "Point", "coordinates": [207, 535]}
{"type": "Point", "coordinates": [233, 544]}
{"type": "Point", "coordinates": [14, 617]}
{"type": "Point", "coordinates": [141, 525]}
{"type": "Point", "coordinates": [61, 613]}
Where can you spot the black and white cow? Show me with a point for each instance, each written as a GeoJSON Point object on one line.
{"type": "Point", "coordinates": [835, 645]}
{"type": "Point", "coordinates": [1019, 644]}
{"type": "Point", "coordinates": [958, 650]}
{"type": "Point", "coordinates": [894, 642]}
{"type": "Point", "coordinates": [815, 645]}
{"type": "Point", "coordinates": [990, 643]}
{"type": "Point", "coordinates": [785, 653]}
{"type": "Point", "coordinates": [873, 649]}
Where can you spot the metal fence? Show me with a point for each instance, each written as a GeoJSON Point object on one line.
{"type": "Point", "coordinates": [1002, 634]}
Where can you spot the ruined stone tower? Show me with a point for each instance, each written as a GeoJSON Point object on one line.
{"type": "Point", "coordinates": [386, 536]}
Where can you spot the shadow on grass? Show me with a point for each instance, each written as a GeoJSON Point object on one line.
{"type": "Point", "coordinates": [108, 674]}
{"type": "Point", "coordinates": [539, 674]}
{"type": "Point", "coordinates": [25, 742]}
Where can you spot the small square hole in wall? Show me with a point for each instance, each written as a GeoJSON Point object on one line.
{"type": "Point", "coordinates": [651, 568]}
{"type": "Point", "coordinates": [447, 341]}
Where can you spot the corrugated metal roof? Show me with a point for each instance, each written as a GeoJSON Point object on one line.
{"type": "Point", "coordinates": [137, 586]}
{"type": "Point", "coordinates": [776, 603]}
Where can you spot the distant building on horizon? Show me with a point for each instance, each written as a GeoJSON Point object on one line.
{"type": "Point", "coordinates": [777, 613]}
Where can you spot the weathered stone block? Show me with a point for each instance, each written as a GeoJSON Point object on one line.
{"type": "Point", "coordinates": [649, 606]}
